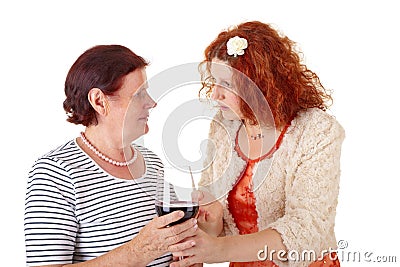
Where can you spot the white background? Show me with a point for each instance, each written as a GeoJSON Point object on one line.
{"type": "Point", "coordinates": [352, 45]}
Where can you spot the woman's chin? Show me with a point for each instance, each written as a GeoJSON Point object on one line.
{"type": "Point", "coordinates": [136, 133]}
{"type": "Point", "coordinates": [229, 115]}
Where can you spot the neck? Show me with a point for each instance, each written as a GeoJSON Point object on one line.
{"type": "Point", "coordinates": [109, 142]}
{"type": "Point", "coordinates": [252, 129]}
{"type": "Point", "coordinates": [255, 131]}
{"type": "Point", "coordinates": [258, 132]}
{"type": "Point", "coordinates": [255, 147]}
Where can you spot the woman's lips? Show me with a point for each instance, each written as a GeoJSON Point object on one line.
{"type": "Point", "coordinates": [146, 118]}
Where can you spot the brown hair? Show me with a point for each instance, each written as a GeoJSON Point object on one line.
{"type": "Point", "coordinates": [103, 67]}
{"type": "Point", "coordinates": [272, 64]}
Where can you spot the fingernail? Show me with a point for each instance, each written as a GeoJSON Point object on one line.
{"type": "Point", "coordinates": [181, 213]}
{"type": "Point", "coordinates": [195, 221]}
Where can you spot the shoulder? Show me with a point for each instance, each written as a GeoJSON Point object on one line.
{"type": "Point", "coordinates": [317, 123]}
{"type": "Point", "coordinates": [61, 152]}
{"type": "Point", "coordinates": [148, 155]}
{"type": "Point", "coordinates": [52, 169]}
{"type": "Point", "coordinates": [59, 155]}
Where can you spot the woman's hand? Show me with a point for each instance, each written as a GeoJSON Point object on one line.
{"type": "Point", "coordinates": [155, 239]}
{"type": "Point", "coordinates": [210, 218]}
{"type": "Point", "coordinates": [193, 265]}
{"type": "Point", "coordinates": [207, 248]}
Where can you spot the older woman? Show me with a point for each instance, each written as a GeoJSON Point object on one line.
{"type": "Point", "coordinates": [90, 201]}
{"type": "Point", "coordinates": [273, 159]}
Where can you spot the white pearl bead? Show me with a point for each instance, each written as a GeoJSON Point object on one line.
{"type": "Point", "coordinates": [107, 159]}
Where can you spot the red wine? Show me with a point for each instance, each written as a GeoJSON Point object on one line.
{"type": "Point", "coordinates": [189, 208]}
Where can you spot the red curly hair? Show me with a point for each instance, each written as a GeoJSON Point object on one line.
{"type": "Point", "coordinates": [272, 64]}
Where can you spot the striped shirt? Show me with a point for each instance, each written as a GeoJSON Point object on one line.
{"type": "Point", "coordinates": [75, 211]}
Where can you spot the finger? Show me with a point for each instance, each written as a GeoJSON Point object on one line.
{"type": "Point", "coordinates": [206, 198]}
{"type": "Point", "coordinates": [206, 216]}
{"type": "Point", "coordinates": [201, 212]}
{"type": "Point", "coordinates": [165, 220]}
{"type": "Point", "coordinates": [180, 228]}
{"type": "Point", "coordinates": [184, 253]}
{"type": "Point", "coordinates": [197, 196]}
{"type": "Point", "coordinates": [174, 234]}
{"type": "Point", "coordinates": [201, 215]}
{"type": "Point", "coordinates": [182, 246]}
{"type": "Point", "coordinates": [202, 209]}
{"type": "Point", "coordinates": [184, 262]}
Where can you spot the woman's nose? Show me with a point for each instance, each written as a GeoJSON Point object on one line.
{"type": "Point", "coordinates": [150, 103]}
{"type": "Point", "coordinates": [217, 93]}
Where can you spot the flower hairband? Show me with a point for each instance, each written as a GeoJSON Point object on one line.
{"type": "Point", "coordinates": [236, 46]}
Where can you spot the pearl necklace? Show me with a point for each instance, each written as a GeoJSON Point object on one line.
{"type": "Point", "coordinates": [107, 159]}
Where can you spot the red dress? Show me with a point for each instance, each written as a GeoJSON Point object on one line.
{"type": "Point", "coordinates": [242, 206]}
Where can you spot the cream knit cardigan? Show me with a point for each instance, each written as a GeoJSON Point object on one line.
{"type": "Point", "coordinates": [296, 191]}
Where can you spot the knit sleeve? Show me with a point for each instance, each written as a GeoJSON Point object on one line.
{"type": "Point", "coordinates": [312, 190]}
{"type": "Point", "coordinates": [50, 224]}
{"type": "Point", "coordinates": [208, 164]}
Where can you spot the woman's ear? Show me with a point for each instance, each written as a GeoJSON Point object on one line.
{"type": "Point", "coordinates": [99, 101]}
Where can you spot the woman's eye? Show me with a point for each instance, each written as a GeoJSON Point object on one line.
{"type": "Point", "coordinates": [226, 84]}
{"type": "Point", "coordinates": [140, 93]}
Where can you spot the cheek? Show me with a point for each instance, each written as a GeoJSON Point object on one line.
{"type": "Point", "coordinates": [235, 103]}
{"type": "Point", "coordinates": [133, 110]}
{"type": "Point", "coordinates": [236, 108]}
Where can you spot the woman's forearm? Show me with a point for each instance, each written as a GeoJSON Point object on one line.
{"type": "Point", "coordinates": [122, 256]}
{"type": "Point", "coordinates": [242, 248]}
{"type": "Point", "coordinates": [238, 248]}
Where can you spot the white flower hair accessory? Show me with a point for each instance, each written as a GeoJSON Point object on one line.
{"type": "Point", "coordinates": [236, 46]}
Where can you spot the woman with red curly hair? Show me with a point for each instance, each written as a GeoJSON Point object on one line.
{"type": "Point", "coordinates": [273, 156]}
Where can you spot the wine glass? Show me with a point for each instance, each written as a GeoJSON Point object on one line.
{"type": "Point", "coordinates": [176, 190]}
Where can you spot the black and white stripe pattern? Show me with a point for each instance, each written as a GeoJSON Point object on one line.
{"type": "Point", "coordinates": [75, 211]}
